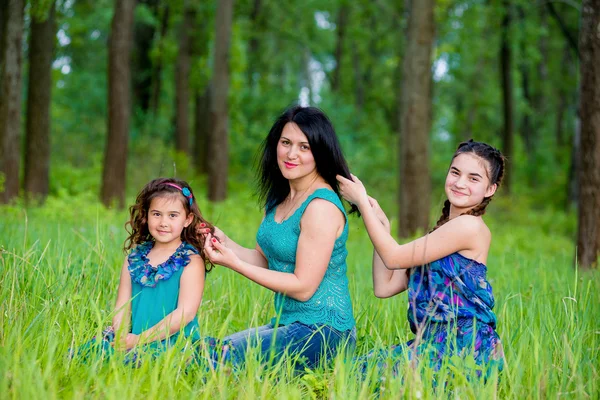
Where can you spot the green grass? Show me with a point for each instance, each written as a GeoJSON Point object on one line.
{"type": "Point", "coordinates": [59, 274]}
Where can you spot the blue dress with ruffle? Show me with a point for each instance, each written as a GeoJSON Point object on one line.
{"type": "Point", "coordinates": [155, 293]}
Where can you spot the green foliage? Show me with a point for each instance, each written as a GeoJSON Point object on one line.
{"type": "Point", "coordinates": [59, 270]}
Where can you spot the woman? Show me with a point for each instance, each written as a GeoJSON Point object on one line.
{"type": "Point", "coordinates": [301, 244]}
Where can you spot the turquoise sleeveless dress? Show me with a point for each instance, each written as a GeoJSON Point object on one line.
{"type": "Point", "coordinates": [331, 304]}
{"type": "Point", "coordinates": [155, 292]}
{"type": "Point", "coordinates": [450, 304]}
{"type": "Point", "coordinates": [312, 331]}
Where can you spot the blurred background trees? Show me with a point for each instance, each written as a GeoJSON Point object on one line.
{"type": "Point", "coordinates": [98, 96]}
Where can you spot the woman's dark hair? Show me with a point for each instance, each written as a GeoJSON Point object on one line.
{"type": "Point", "coordinates": [495, 172]}
{"type": "Point", "coordinates": [166, 187]}
{"type": "Point", "coordinates": [325, 147]}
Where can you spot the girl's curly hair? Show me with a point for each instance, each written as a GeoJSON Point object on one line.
{"type": "Point", "coordinates": [137, 226]}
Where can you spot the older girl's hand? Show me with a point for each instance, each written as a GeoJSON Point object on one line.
{"type": "Point", "coordinates": [353, 190]}
{"type": "Point", "coordinates": [218, 253]}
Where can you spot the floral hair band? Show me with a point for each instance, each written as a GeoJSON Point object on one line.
{"type": "Point", "coordinates": [186, 192]}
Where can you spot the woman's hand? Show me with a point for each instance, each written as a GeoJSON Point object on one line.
{"type": "Point", "coordinates": [217, 233]}
{"type": "Point", "coordinates": [218, 253]}
{"type": "Point", "coordinates": [353, 190]}
{"type": "Point", "coordinates": [127, 342]}
{"type": "Point", "coordinates": [379, 213]}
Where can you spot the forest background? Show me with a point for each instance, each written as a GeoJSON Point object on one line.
{"type": "Point", "coordinates": [99, 97]}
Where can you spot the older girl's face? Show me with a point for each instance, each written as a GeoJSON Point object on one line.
{"type": "Point", "coordinates": [294, 156]}
{"type": "Point", "coordinates": [467, 182]}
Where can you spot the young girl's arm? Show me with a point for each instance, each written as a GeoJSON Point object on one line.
{"type": "Point", "coordinates": [251, 256]}
{"type": "Point", "coordinates": [320, 225]}
{"type": "Point", "coordinates": [191, 287]}
{"type": "Point", "coordinates": [461, 233]}
{"type": "Point", "coordinates": [386, 283]}
{"type": "Point", "coordinates": [122, 318]}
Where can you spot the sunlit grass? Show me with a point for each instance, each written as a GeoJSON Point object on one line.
{"type": "Point", "coordinates": [59, 273]}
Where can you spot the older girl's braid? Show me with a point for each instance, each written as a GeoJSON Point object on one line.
{"type": "Point", "coordinates": [444, 217]}
{"type": "Point", "coordinates": [480, 208]}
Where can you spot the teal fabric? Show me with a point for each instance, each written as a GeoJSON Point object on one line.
{"type": "Point", "coordinates": [150, 304]}
{"type": "Point", "coordinates": [155, 293]}
{"type": "Point", "coordinates": [331, 304]}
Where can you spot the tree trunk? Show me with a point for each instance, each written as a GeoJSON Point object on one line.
{"type": "Point", "coordinates": [528, 129]}
{"type": "Point", "coordinates": [157, 64]}
{"type": "Point", "coordinates": [219, 142]}
{"type": "Point", "coordinates": [253, 43]}
{"type": "Point", "coordinates": [119, 103]}
{"type": "Point", "coordinates": [339, 46]}
{"type": "Point", "coordinates": [10, 100]}
{"type": "Point", "coordinates": [37, 154]}
{"type": "Point", "coordinates": [202, 130]}
{"type": "Point", "coordinates": [2, 34]}
{"type": "Point", "coordinates": [182, 82]}
{"type": "Point", "coordinates": [588, 238]}
{"type": "Point", "coordinates": [142, 77]}
{"type": "Point", "coordinates": [564, 29]}
{"type": "Point", "coordinates": [415, 120]}
{"type": "Point", "coordinates": [566, 68]}
{"type": "Point", "coordinates": [359, 88]}
{"type": "Point", "coordinates": [507, 96]}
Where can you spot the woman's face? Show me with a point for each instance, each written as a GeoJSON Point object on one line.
{"type": "Point", "coordinates": [294, 156]}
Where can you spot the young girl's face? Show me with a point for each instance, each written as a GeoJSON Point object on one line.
{"type": "Point", "coordinates": [166, 219]}
{"type": "Point", "coordinates": [467, 182]}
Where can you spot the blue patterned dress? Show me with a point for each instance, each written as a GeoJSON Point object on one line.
{"type": "Point", "coordinates": [450, 306]}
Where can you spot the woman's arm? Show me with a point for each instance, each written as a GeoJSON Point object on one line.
{"type": "Point", "coordinates": [122, 319]}
{"type": "Point", "coordinates": [321, 224]}
{"type": "Point", "coordinates": [461, 233]}
{"type": "Point", "coordinates": [251, 256]}
{"type": "Point", "coordinates": [191, 287]}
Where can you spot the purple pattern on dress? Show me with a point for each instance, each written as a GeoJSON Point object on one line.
{"type": "Point", "coordinates": [450, 306]}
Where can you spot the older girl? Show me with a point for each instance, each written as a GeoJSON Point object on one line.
{"type": "Point", "coordinates": [450, 299]}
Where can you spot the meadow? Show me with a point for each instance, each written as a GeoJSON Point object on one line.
{"type": "Point", "coordinates": [59, 273]}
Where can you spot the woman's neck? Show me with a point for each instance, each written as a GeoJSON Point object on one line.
{"type": "Point", "coordinates": [302, 185]}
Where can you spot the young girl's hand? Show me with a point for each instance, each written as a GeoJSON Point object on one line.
{"type": "Point", "coordinates": [127, 342]}
{"type": "Point", "coordinates": [218, 253]}
{"type": "Point", "coordinates": [379, 213]}
{"type": "Point", "coordinates": [353, 190]}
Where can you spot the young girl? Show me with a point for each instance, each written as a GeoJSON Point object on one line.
{"type": "Point", "coordinates": [162, 278]}
{"type": "Point", "coordinates": [450, 299]}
